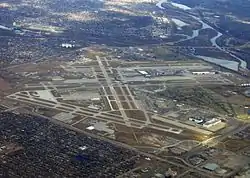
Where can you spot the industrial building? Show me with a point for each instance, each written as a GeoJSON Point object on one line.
{"type": "Point", "coordinates": [205, 122]}
{"type": "Point", "coordinates": [203, 73]}
{"type": "Point", "coordinates": [211, 122]}
{"type": "Point", "coordinates": [211, 166]}
{"type": "Point", "coordinates": [144, 73]}
{"type": "Point", "coordinates": [196, 120]}
{"type": "Point", "coordinates": [67, 45]}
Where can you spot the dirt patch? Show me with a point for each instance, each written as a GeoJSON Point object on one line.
{"type": "Point", "coordinates": [4, 85]}
{"type": "Point", "coordinates": [135, 114]}
{"type": "Point", "coordinates": [235, 145]}
{"type": "Point", "coordinates": [41, 67]}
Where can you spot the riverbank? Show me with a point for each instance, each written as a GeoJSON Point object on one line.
{"type": "Point", "coordinates": [228, 64]}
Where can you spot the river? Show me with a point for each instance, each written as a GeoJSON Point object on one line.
{"type": "Point", "coordinates": [177, 5]}
{"type": "Point", "coordinates": [242, 64]}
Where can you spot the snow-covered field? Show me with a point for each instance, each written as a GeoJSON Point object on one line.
{"type": "Point", "coordinates": [4, 28]}
{"type": "Point", "coordinates": [159, 4]}
{"type": "Point", "coordinates": [180, 6]}
{"type": "Point", "coordinates": [179, 23]}
{"type": "Point", "coordinates": [46, 95]}
{"type": "Point", "coordinates": [233, 65]}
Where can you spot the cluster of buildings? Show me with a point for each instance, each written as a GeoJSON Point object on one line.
{"type": "Point", "coordinates": [168, 174]}
{"type": "Point", "coordinates": [67, 45]}
{"type": "Point", "coordinates": [205, 122]}
{"type": "Point", "coordinates": [204, 73]}
{"type": "Point", "coordinates": [49, 150]}
{"type": "Point", "coordinates": [213, 167]}
{"type": "Point", "coordinates": [170, 72]}
{"type": "Point", "coordinates": [144, 73]}
{"type": "Point", "coordinates": [159, 72]}
{"type": "Point", "coordinates": [245, 84]}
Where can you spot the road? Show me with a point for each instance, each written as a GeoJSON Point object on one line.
{"type": "Point", "coordinates": [173, 145]}
{"type": "Point", "coordinates": [119, 144]}
{"type": "Point", "coordinates": [211, 142]}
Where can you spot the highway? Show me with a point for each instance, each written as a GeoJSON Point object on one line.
{"type": "Point", "coordinates": [175, 144]}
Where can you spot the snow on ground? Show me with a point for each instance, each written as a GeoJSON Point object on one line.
{"type": "Point", "coordinates": [46, 95]}
{"type": "Point", "coordinates": [4, 28]}
{"type": "Point", "coordinates": [159, 4]}
{"type": "Point", "coordinates": [86, 95]}
{"type": "Point", "coordinates": [165, 20]}
{"type": "Point", "coordinates": [100, 126]}
{"type": "Point", "coordinates": [233, 65]}
{"type": "Point", "coordinates": [181, 6]}
{"type": "Point", "coordinates": [63, 116]}
{"type": "Point", "coordinates": [179, 23]}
